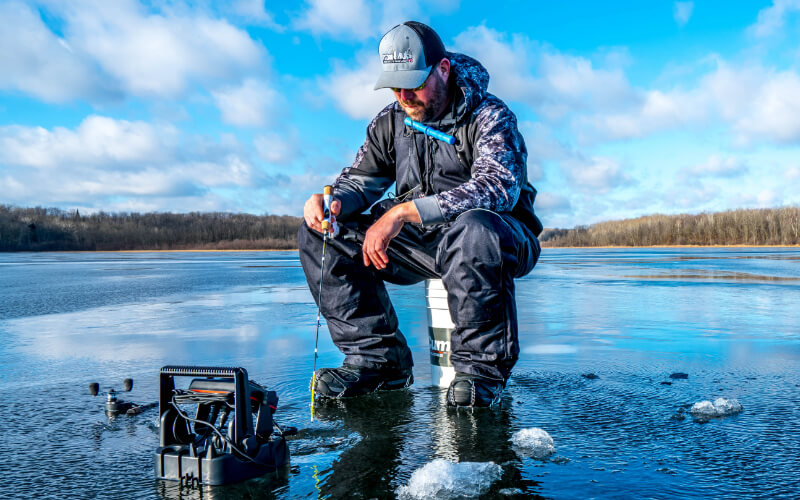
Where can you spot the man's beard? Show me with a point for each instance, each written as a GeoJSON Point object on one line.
{"type": "Point", "coordinates": [424, 113]}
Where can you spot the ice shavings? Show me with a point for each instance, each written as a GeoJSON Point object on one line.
{"type": "Point", "coordinates": [533, 442]}
{"type": "Point", "coordinates": [721, 407]}
{"type": "Point", "coordinates": [442, 479]}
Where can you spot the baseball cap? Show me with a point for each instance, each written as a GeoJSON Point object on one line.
{"type": "Point", "coordinates": [408, 52]}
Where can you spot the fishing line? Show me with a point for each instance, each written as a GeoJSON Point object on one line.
{"type": "Point", "coordinates": [327, 195]}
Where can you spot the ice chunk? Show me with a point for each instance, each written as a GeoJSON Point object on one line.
{"type": "Point", "coordinates": [443, 479]}
{"type": "Point", "coordinates": [704, 409]}
{"type": "Point", "coordinates": [721, 407]}
{"type": "Point", "coordinates": [533, 442]}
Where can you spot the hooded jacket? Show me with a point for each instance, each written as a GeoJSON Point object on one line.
{"type": "Point", "coordinates": [485, 168]}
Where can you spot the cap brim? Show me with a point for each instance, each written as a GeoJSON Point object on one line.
{"type": "Point", "coordinates": [407, 79]}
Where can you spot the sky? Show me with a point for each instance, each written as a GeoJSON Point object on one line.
{"type": "Point", "coordinates": [627, 108]}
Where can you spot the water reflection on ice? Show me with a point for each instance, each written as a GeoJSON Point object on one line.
{"type": "Point", "coordinates": [442, 479]}
{"type": "Point", "coordinates": [550, 349]}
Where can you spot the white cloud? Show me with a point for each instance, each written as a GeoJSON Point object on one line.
{"type": "Point", "coordinates": [253, 12]}
{"type": "Point", "coordinates": [278, 149]}
{"type": "Point", "coordinates": [719, 166]}
{"type": "Point", "coordinates": [338, 18]}
{"type": "Point", "coordinates": [552, 203]}
{"type": "Point", "coordinates": [773, 112]}
{"type": "Point", "coordinates": [658, 111]}
{"type": "Point", "coordinates": [114, 48]}
{"type": "Point", "coordinates": [755, 104]}
{"type": "Point", "coordinates": [159, 54]}
{"type": "Point", "coordinates": [352, 89]}
{"type": "Point", "coordinates": [575, 80]}
{"type": "Point", "coordinates": [540, 142]}
{"type": "Point", "coordinates": [771, 19]}
{"type": "Point", "coordinates": [682, 12]}
{"type": "Point", "coordinates": [108, 164]}
{"type": "Point", "coordinates": [509, 62]}
{"type": "Point", "coordinates": [694, 196]}
{"type": "Point", "coordinates": [37, 62]}
{"type": "Point", "coordinates": [360, 20]}
{"type": "Point", "coordinates": [104, 159]}
{"type": "Point", "coordinates": [554, 84]}
{"type": "Point", "coordinates": [595, 174]}
{"type": "Point", "coordinates": [248, 105]}
{"type": "Point", "coordinates": [394, 12]}
{"type": "Point", "coordinates": [98, 141]}
{"type": "Point", "coordinates": [768, 198]}
{"type": "Point", "coordinates": [758, 103]}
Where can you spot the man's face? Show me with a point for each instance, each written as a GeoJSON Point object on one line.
{"type": "Point", "coordinates": [427, 103]}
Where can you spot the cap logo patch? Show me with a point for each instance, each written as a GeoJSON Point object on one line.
{"type": "Point", "coordinates": [406, 56]}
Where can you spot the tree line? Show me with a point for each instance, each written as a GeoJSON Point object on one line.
{"type": "Point", "coordinates": [35, 229]}
{"type": "Point", "coordinates": [767, 226]}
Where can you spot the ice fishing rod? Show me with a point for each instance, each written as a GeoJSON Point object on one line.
{"type": "Point", "coordinates": [328, 224]}
{"type": "Point", "coordinates": [436, 134]}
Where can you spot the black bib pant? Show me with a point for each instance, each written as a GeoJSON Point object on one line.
{"type": "Point", "coordinates": [477, 256]}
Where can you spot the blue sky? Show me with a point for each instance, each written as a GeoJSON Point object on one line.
{"type": "Point", "coordinates": [627, 108]}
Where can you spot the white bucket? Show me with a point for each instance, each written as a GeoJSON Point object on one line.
{"type": "Point", "coordinates": [439, 328]}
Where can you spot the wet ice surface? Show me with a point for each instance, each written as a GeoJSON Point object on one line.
{"type": "Point", "coordinates": [632, 318]}
{"type": "Point", "coordinates": [442, 479]}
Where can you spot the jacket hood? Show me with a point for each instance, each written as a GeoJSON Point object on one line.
{"type": "Point", "coordinates": [472, 78]}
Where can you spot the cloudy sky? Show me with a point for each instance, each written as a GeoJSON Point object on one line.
{"type": "Point", "coordinates": [627, 108]}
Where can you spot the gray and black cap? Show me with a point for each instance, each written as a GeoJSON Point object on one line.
{"type": "Point", "coordinates": [408, 52]}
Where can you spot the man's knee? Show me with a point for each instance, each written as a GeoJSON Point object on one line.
{"type": "Point", "coordinates": [476, 236]}
{"type": "Point", "coordinates": [480, 220]}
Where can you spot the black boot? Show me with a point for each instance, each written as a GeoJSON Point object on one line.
{"type": "Point", "coordinates": [350, 380]}
{"type": "Point", "coordinates": [473, 391]}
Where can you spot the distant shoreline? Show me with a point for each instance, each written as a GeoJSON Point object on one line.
{"type": "Point", "coordinates": [49, 229]}
{"type": "Point", "coordinates": [295, 249]}
{"type": "Point", "coordinates": [676, 246]}
{"type": "Point", "coordinates": [166, 251]}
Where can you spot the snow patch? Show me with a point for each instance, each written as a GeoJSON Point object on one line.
{"type": "Point", "coordinates": [442, 479]}
{"type": "Point", "coordinates": [721, 407]}
{"type": "Point", "coordinates": [533, 442]}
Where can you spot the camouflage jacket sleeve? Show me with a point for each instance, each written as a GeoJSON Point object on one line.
{"type": "Point", "coordinates": [498, 169]}
{"type": "Point", "coordinates": [373, 171]}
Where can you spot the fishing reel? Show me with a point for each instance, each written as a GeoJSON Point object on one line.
{"type": "Point", "coordinates": [113, 405]}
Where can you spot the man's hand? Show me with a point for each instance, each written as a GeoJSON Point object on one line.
{"type": "Point", "coordinates": [378, 236]}
{"type": "Point", "coordinates": [314, 212]}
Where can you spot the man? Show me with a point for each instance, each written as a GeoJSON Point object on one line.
{"type": "Point", "coordinates": [462, 212]}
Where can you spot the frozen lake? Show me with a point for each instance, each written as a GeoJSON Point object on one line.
{"type": "Point", "coordinates": [728, 318]}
